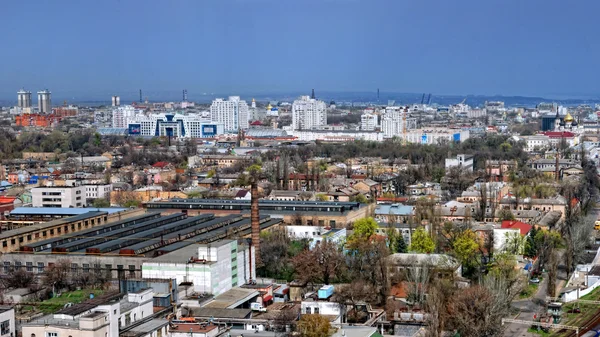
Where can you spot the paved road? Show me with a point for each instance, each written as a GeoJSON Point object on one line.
{"type": "Point", "coordinates": [527, 309]}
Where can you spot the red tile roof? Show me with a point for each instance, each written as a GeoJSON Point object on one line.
{"type": "Point", "coordinates": [524, 228]}
{"type": "Point", "coordinates": [559, 134]}
{"type": "Point", "coordinates": [161, 164]}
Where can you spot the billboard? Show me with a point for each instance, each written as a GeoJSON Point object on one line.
{"type": "Point", "coordinates": [456, 137]}
{"type": "Point", "coordinates": [134, 129]}
{"type": "Point", "coordinates": [209, 130]}
{"type": "Point", "coordinates": [424, 139]}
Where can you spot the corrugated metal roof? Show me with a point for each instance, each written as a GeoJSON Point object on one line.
{"type": "Point", "coordinates": [62, 210]}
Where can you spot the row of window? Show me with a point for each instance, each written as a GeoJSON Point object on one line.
{"type": "Point", "coordinates": [44, 234]}
{"type": "Point", "coordinates": [85, 267]}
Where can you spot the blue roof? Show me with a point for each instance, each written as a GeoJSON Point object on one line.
{"type": "Point", "coordinates": [62, 211]}
{"type": "Point", "coordinates": [394, 209]}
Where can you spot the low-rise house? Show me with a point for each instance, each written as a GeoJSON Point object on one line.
{"type": "Point", "coordinates": [368, 187]}
{"type": "Point", "coordinates": [440, 265]}
{"type": "Point", "coordinates": [463, 161]}
{"type": "Point", "coordinates": [393, 213]}
{"type": "Point", "coordinates": [342, 194]}
{"type": "Point", "coordinates": [284, 195]}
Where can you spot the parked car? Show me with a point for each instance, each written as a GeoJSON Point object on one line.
{"type": "Point", "coordinates": [534, 280]}
{"type": "Point", "coordinates": [574, 311]}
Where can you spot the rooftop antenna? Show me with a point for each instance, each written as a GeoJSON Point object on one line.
{"type": "Point", "coordinates": [313, 94]}
{"type": "Point", "coordinates": [185, 95]}
{"type": "Point", "coordinates": [140, 95]}
{"type": "Point", "coordinates": [378, 95]}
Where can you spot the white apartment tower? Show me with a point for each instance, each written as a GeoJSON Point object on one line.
{"type": "Point", "coordinates": [116, 101]}
{"type": "Point", "coordinates": [23, 99]}
{"type": "Point", "coordinates": [44, 101]}
{"type": "Point", "coordinates": [121, 116]}
{"type": "Point", "coordinates": [308, 113]}
{"type": "Point", "coordinates": [392, 122]}
{"type": "Point", "coordinates": [232, 113]}
{"type": "Point", "coordinates": [368, 121]}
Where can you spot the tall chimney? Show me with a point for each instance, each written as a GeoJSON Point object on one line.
{"type": "Point", "coordinates": [255, 221]}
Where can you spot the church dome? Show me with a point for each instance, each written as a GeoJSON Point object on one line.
{"type": "Point", "coordinates": [568, 117]}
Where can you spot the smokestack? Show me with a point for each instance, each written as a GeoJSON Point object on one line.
{"type": "Point", "coordinates": [255, 221]}
{"type": "Point", "coordinates": [313, 94]}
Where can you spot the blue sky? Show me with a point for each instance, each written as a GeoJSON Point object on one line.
{"type": "Point", "coordinates": [511, 47]}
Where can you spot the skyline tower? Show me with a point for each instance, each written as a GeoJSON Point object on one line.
{"type": "Point", "coordinates": [116, 101]}
{"type": "Point", "coordinates": [23, 98]}
{"type": "Point", "coordinates": [44, 101]}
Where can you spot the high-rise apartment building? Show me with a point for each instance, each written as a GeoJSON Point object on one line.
{"type": "Point", "coordinates": [308, 113]}
{"type": "Point", "coordinates": [121, 115]}
{"type": "Point", "coordinates": [23, 98]}
{"type": "Point", "coordinates": [116, 101]}
{"type": "Point", "coordinates": [44, 102]}
{"type": "Point", "coordinates": [232, 113]}
{"type": "Point", "coordinates": [368, 121]}
{"type": "Point", "coordinates": [392, 122]}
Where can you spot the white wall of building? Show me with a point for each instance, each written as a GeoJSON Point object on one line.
{"type": "Point", "coordinates": [308, 113]}
{"type": "Point", "coordinates": [122, 114]}
{"type": "Point", "coordinates": [97, 191]}
{"type": "Point", "coordinates": [232, 113]}
{"type": "Point", "coordinates": [7, 322]}
{"type": "Point", "coordinates": [58, 196]}
{"type": "Point", "coordinates": [368, 122]}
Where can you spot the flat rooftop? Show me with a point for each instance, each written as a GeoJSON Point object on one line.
{"type": "Point", "coordinates": [145, 328]}
{"type": "Point", "coordinates": [232, 298]}
{"type": "Point", "coordinates": [50, 320]}
{"type": "Point", "coordinates": [62, 210]}
{"type": "Point", "coordinates": [41, 226]}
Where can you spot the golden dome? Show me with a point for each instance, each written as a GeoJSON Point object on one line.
{"type": "Point", "coordinates": [568, 117]}
{"type": "Point", "coordinates": [269, 107]}
{"type": "Point", "coordinates": [253, 100]}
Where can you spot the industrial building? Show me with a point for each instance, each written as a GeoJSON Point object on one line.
{"type": "Point", "coordinates": [59, 196]}
{"type": "Point", "coordinates": [118, 248]}
{"type": "Point", "coordinates": [332, 214]}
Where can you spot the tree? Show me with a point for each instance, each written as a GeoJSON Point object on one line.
{"type": "Point", "coordinates": [57, 276]}
{"type": "Point", "coordinates": [505, 214]}
{"type": "Point", "coordinates": [465, 248]}
{"type": "Point", "coordinates": [18, 279]}
{"type": "Point", "coordinates": [368, 261]}
{"type": "Point", "coordinates": [421, 242]}
{"type": "Point", "coordinates": [314, 325]}
{"type": "Point", "coordinates": [360, 198]}
{"type": "Point", "coordinates": [321, 197]}
{"type": "Point", "coordinates": [101, 203]}
{"type": "Point", "coordinates": [321, 264]}
{"type": "Point", "coordinates": [364, 228]}
{"type": "Point", "coordinates": [275, 246]}
{"type": "Point", "coordinates": [514, 243]}
{"type": "Point", "coordinates": [401, 246]}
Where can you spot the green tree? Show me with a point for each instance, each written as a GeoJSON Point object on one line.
{"type": "Point", "coordinates": [505, 214]}
{"type": "Point", "coordinates": [465, 247]}
{"type": "Point", "coordinates": [101, 203]}
{"type": "Point", "coordinates": [421, 242]}
{"type": "Point", "coordinates": [314, 325]}
{"type": "Point", "coordinates": [401, 245]}
{"type": "Point", "coordinates": [321, 197]}
{"type": "Point", "coordinates": [360, 198]}
{"type": "Point", "coordinates": [530, 244]}
{"type": "Point", "coordinates": [364, 228]}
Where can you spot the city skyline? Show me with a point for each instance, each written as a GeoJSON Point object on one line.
{"type": "Point", "coordinates": [536, 48]}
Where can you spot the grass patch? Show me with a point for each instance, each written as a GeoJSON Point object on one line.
{"type": "Point", "coordinates": [540, 332]}
{"type": "Point", "coordinates": [529, 291]}
{"type": "Point", "coordinates": [593, 296]}
{"type": "Point", "coordinates": [56, 303]}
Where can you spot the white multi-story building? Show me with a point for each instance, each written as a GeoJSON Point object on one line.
{"type": "Point", "coordinates": [58, 196]}
{"type": "Point", "coordinates": [44, 102]}
{"type": "Point", "coordinates": [308, 113]}
{"type": "Point", "coordinates": [213, 268]}
{"type": "Point", "coordinates": [233, 113]}
{"type": "Point", "coordinates": [121, 115]}
{"type": "Point", "coordinates": [536, 142]}
{"type": "Point", "coordinates": [96, 191]}
{"type": "Point", "coordinates": [7, 321]}
{"type": "Point", "coordinates": [368, 121]}
{"type": "Point", "coordinates": [436, 135]}
{"type": "Point", "coordinates": [462, 160]}
{"type": "Point", "coordinates": [392, 122]}
{"type": "Point", "coordinates": [173, 125]}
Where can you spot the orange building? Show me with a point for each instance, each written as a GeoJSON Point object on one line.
{"type": "Point", "coordinates": [37, 120]}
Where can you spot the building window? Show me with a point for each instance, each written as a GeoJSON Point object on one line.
{"type": "Point", "coordinates": [17, 265]}
{"type": "Point", "coordinates": [40, 267]}
{"type": "Point", "coordinates": [29, 266]}
{"type": "Point", "coordinates": [73, 267]}
{"type": "Point", "coordinates": [5, 328]}
{"type": "Point", "coordinates": [6, 266]}
{"type": "Point", "coordinates": [308, 311]}
{"type": "Point", "coordinates": [51, 334]}
{"type": "Point", "coordinates": [86, 268]}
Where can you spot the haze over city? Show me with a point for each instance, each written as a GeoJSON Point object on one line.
{"type": "Point", "coordinates": [91, 49]}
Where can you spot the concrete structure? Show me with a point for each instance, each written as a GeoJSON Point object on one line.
{"type": "Point", "coordinates": [337, 136]}
{"type": "Point", "coordinates": [212, 268]}
{"type": "Point", "coordinates": [121, 116]}
{"type": "Point", "coordinates": [308, 113]}
{"type": "Point", "coordinates": [97, 191]}
{"type": "Point", "coordinates": [59, 196]}
{"type": "Point", "coordinates": [232, 113]}
{"type": "Point", "coordinates": [463, 161]}
{"type": "Point", "coordinates": [393, 121]}
{"type": "Point", "coordinates": [109, 315]}
{"type": "Point", "coordinates": [368, 121]}
{"type": "Point", "coordinates": [23, 99]}
{"type": "Point", "coordinates": [442, 265]}
{"type": "Point", "coordinates": [44, 102]}
{"type": "Point", "coordinates": [174, 125]}
{"type": "Point", "coordinates": [7, 321]}
{"type": "Point", "coordinates": [116, 101]}
{"type": "Point", "coordinates": [316, 234]}
{"type": "Point", "coordinates": [436, 135]}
